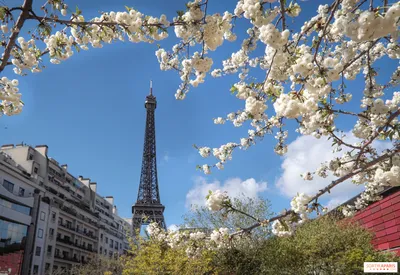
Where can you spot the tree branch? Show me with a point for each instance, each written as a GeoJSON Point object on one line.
{"type": "Point", "coordinates": [322, 191]}
{"type": "Point", "coordinates": [358, 56]}
{"type": "Point", "coordinates": [26, 7]}
{"type": "Point", "coordinates": [283, 14]}
{"type": "Point", "coordinates": [70, 22]}
{"type": "Point", "coordinates": [325, 28]}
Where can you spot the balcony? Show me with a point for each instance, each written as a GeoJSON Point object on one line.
{"type": "Point", "coordinates": [69, 210]}
{"type": "Point", "coordinates": [66, 258]}
{"type": "Point", "coordinates": [84, 233]}
{"type": "Point", "coordinates": [84, 247]}
{"type": "Point", "coordinates": [118, 235]}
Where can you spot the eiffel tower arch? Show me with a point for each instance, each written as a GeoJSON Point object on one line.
{"type": "Point", "coordinates": [148, 207]}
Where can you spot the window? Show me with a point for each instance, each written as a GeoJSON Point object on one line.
{"type": "Point", "coordinates": [35, 170]}
{"type": "Point", "coordinates": [8, 185]}
{"type": "Point", "coordinates": [42, 216]}
{"type": "Point", "coordinates": [53, 215]}
{"type": "Point", "coordinates": [47, 267]}
{"type": "Point", "coordinates": [60, 220]}
{"type": "Point", "coordinates": [40, 233]}
{"type": "Point", "coordinates": [51, 231]}
{"type": "Point", "coordinates": [35, 269]}
{"type": "Point", "coordinates": [116, 245]}
{"type": "Point", "coordinates": [106, 240]}
{"type": "Point", "coordinates": [56, 253]}
{"type": "Point", "coordinates": [65, 254]}
{"type": "Point", "coordinates": [30, 156]}
{"type": "Point", "coordinates": [38, 250]}
{"type": "Point", "coordinates": [21, 192]}
{"type": "Point", "coordinates": [101, 249]}
{"type": "Point", "coordinates": [49, 249]}
{"type": "Point", "coordinates": [89, 246]}
{"type": "Point", "coordinates": [101, 236]}
{"type": "Point", "coordinates": [17, 207]}
{"type": "Point", "coordinates": [120, 245]}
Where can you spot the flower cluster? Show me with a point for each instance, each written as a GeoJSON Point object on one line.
{"type": "Point", "coordinates": [299, 203]}
{"type": "Point", "coordinates": [217, 200]}
{"type": "Point", "coordinates": [204, 151]}
{"type": "Point", "coordinates": [280, 229]}
{"type": "Point", "coordinates": [220, 237]}
{"type": "Point", "coordinates": [156, 232]}
{"type": "Point", "coordinates": [10, 97]}
{"type": "Point", "coordinates": [26, 57]}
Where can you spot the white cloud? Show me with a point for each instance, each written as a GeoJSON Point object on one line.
{"type": "Point", "coordinates": [166, 157]}
{"type": "Point", "coordinates": [173, 227]}
{"type": "Point", "coordinates": [235, 187]}
{"type": "Point", "coordinates": [335, 202]}
{"type": "Point", "coordinates": [305, 154]}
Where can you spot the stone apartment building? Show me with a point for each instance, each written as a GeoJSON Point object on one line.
{"type": "Point", "coordinates": [67, 221]}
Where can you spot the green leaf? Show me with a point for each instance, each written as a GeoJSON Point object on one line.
{"type": "Point", "coordinates": [284, 224]}
{"type": "Point", "coordinates": [180, 13]}
{"type": "Point", "coordinates": [3, 12]}
{"type": "Point", "coordinates": [233, 89]}
{"type": "Point", "coordinates": [45, 29]}
{"type": "Point", "coordinates": [78, 11]}
{"type": "Point", "coordinates": [128, 8]}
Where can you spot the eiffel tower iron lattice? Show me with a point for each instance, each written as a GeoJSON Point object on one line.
{"type": "Point", "coordinates": [148, 207]}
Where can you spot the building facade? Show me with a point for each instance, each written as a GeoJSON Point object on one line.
{"type": "Point", "coordinates": [73, 222]}
{"type": "Point", "coordinates": [383, 219]}
{"type": "Point", "coordinates": [16, 204]}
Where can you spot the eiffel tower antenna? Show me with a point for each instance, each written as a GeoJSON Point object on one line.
{"type": "Point", "coordinates": [151, 87]}
{"type": "Point", "coordinates": [148, 207]}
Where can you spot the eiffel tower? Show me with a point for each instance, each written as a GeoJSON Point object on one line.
{"type": "Point", "coordinates": [148, 207]}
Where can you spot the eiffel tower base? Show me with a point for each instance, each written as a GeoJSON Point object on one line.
{"type": "Point", "coordinates": [146, 214]}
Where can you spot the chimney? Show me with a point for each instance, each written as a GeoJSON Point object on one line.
{"type": "Point", "coordinates": [7, 146]}
{"type": "Point", "coordinates": [110, 199]}
{"type": "Point", "coordinates": [19, 145]}
{"type": "Point", "coordinates": [85, 181]}
{"type": "Point", "coordinates": [93, 186]}
{"type": "Point", "coordinates": [115, 211]}
{"type": "Point", "coordinates": [42, 149]}
{"type": "Point", "coordinates": [65, 167]}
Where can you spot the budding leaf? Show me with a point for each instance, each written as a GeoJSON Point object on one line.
{"type": "Point", "coordinates": [3, 12]}
{"type": "Point", "coordinates": [233, 89]}
{"type": "Point", "coordinates": [78, 11]}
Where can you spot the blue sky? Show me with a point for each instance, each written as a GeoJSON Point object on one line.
{"type": "Point", "coordinates": [90, 111]}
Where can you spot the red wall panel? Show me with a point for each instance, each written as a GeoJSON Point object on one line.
{"type": "Point", "coordinates": [383, 219]}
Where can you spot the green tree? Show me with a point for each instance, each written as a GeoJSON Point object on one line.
{"type": "Point", "coordinates": [322, 246]}
{"type": "Point", "coordinates": [202, 217]}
